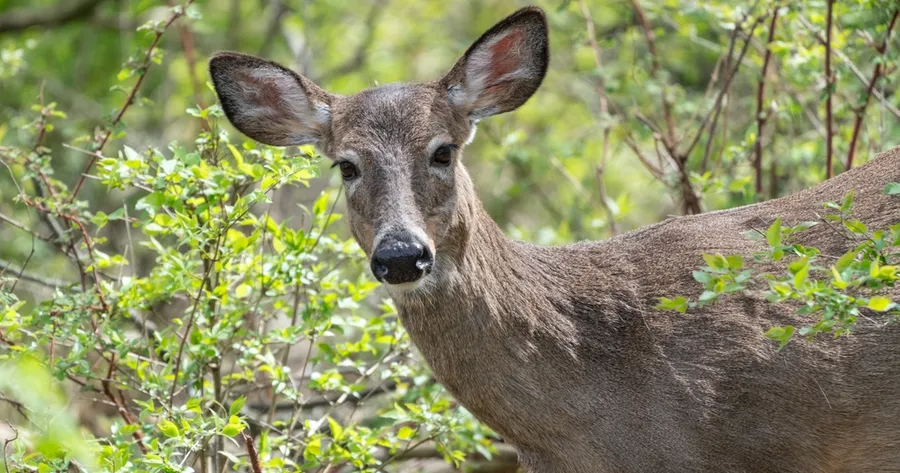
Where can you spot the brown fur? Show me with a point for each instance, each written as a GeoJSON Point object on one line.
{"type": "Point", "coordinates": [558, 348]}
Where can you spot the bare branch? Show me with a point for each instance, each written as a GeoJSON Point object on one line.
{"type": "Point", "coordinates": [6, 444]}
{"type": "Point", "coordinates": [669, 137]}
{"type": "Point", "coordinates": [145, 66]}
{"type": "Point", "coordinates": [273, 27]}
{"type": "Point", "coordinates": [829, 86]}
{"type": "Point", "coordinates": [20, 273]}
{"type": "Point", "coordinates": [725, 87]}
{"type": "Point", "coordinates": [760, 96]}
{"type": "Point", "coordinates": [876, 74]}
{"type": "Point", "coordinates": [120, 404]}
{"type": "Point", "coordinates": [853, 68]}
{"type": "Point", "coordinates": [64, 12]}
{"type": "Point", "coordinates": [604, 111]}
{"type": "Point", "coordinates": [359, 56]}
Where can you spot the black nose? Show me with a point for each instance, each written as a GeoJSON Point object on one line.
{"type": "Point", "coordinates": [401, 260]}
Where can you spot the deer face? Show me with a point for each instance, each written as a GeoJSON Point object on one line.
{"type": "Point", "coordinates": [397, 147]}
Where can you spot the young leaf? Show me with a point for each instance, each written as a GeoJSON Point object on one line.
{"type": "Point", "coordinates": [406, 433]}
{"type": "Point", "coordinates": [237, 405]}
{"type": "Point", "coordinates": [773, 234]}
{"type": "Point", "coordinates": [892, 188]}
{"type": "Point", "coordinates": [168, 428]}
{"type": "Point", "coordinates": [880, 304]}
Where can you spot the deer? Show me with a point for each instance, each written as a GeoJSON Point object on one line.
{"type": "Point", "coordinates": [561, 349]}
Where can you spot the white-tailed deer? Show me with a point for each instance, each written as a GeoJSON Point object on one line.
{"type": "Point", "coordinates": [559, 349]}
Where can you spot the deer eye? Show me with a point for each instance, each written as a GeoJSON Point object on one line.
{"type": "Point", "coordinates": [349, 171]}
{"type": "Point", "coordinates": [443, 156]}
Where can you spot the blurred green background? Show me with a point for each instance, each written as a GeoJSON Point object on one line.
{"type": "Point", "coordinates": [650, 109]}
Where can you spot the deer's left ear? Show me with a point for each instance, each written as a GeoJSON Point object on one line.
{"type": "Point", "coordinates": [501, 70]}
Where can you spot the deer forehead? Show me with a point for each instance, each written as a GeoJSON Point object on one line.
{"type": "Point", "coordinates": [395, 117]}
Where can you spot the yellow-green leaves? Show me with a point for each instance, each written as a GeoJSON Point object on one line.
{"type": "Point", "coordinates": [879, 303]}
{"type": "Point", "coordinates": [678, 304]}
{"type": "Point", "coordinates": [168, 428]}
{"type": "Point", "coordinates": [237, 405]}
{"type": "Point", "coordinates": [234, 426]}
{"type": "Point", "coordinates": [337, 432]}
{"type": "Point", "coordinates": [780, 334]}
{"type": "Point", "coordinates": [406, 433]}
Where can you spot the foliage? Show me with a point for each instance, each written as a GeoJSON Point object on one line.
{"type": "Point", "coordinates": [193, 301]}
{"type": "Point", "coordinates": [828, 296]}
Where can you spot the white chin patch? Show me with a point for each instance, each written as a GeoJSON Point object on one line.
{"type": "Point", "coordinates": [407, 287]}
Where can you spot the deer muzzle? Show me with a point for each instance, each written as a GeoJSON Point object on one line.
{"type": "Point", "coordinates": [400, 260]}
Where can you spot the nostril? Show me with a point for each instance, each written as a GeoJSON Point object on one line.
{"type": "Point", "coordinates": [400, 261]}
{"type": "Point", "coordinates": [379, 269]}
{"type": "Point", "coordinates": [425, 261]}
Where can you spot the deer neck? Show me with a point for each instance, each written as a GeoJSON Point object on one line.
{"type": "Point", "coordinates": [486, 291]}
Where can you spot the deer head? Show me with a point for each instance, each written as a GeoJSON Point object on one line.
{"type": "Point", "coordinates": [399, 146]}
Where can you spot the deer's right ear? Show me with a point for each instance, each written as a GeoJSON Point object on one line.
{"type": "Point", "coordinates": [269, 102]}
{"type": "Point", "coordinates": [503, 68]}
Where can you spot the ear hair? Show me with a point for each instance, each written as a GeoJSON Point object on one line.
{"type": "Point", "coordinates": [503, 68]}
{"type": "Point", "coordinates": [269, 102]}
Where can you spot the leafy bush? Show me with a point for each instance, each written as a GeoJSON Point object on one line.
{"type": "Point", "coordinates": [828, 298]}
{"type": "Point", "coordinates": [199, 320]}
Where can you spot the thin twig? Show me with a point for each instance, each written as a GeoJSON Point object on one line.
{"type": "Point", "coordinates": [20, 273]}
{"type": "Point", "coordinates": [669, 137]}
{"type": "Point", "coordinates": [604, 111]}
{"type": "Point", "coordinates": [120, 404]}
{"type": "Point", "coordinates": [21, 19]}
{"type": "Point", "coordinates": [273, 27]}
{"type": "Point", "coordinates": [190, 322]}
{"type": "Point", "coordinates": [20, 226]}
{"type": "Point", "coordinates": [853, 67]}
{"type": "Point", "coordinates": [726, 86]}
{"type": "Point", "coordinates": [6, 444]}
{"type": "Point", "coordinates": [829, 85]}
{"type": "Point", "coordinates": [876, 74]}
{"type": "Point", "coordinates": [760, 96]}
{"type": "Point", "coordinates": [359, 55]}
{"type": "Point", "coordinates": [18, 406]}
{"type": "Point", "coordinates": [145, 66]}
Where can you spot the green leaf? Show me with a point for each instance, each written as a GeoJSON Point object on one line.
{"type": "Point", "coordinates": [837, 281]}
{"type": "Point", "coordinates": [336, 430]}
{"type": "Point", "coordinates": [708, 296]}
{"type": "Point", "coordinates": [679, 304]}
{"type": "Point", "coordinates": [855, 226]}
{"type": "Point", "coordinates": [773, 234]}
{"type": "Point", "coordinates": [880, 304]}
{"type": "Point", "coordinates": [230, 430]}
{"type": "Point", "coordinates": [242, 291]}
{"type": "Point", "coordinates": [168, 428]}
{"type": "Point", "coordinates": [237, 405]}
{"type": "Point", "coordinates": [781, 334]}
{"type": "Point", "coordinates": [321, 204]}
{"type": "Point", "coordinates": [735, 262]}
{"type": "Point", "coordinates": [844, 261]}
{"type": "Point", "coordinates": [716, 261]}
{"type": "Point", "coordinates": [313, 448]}
{"type": "Point", "coordinates": [847, 201]}
{"type": "Point", "coordinates": [406, 433]}
{"type": "Point", "coordinates": [892, 188]}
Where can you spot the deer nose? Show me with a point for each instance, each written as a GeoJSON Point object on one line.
{"type": "Point", "coordinates": [398, 261]}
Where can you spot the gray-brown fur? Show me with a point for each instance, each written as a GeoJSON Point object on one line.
{"type": "Point", "coordinates": [558, 348]}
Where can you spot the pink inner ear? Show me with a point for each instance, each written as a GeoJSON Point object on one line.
{"type": "Point", "coordinates": [265, 90]}
{"type": "Point", "coordinates": [505, 56]}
